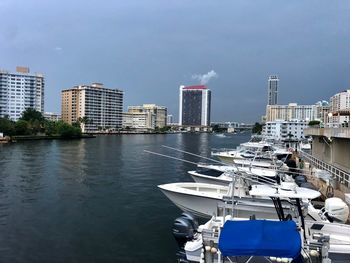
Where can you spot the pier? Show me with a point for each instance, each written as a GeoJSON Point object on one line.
{"type": "Point", "coordinates": [331, 152]}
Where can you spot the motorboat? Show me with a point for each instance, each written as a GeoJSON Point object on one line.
{"type": "Point", "coordinates": [222, 174]}
{"type": "Point", "coordinates": [229, 238]}
{"type": "Point", "coordinates": [202, 199]}
{"type": "Point", "coordinates": [252, 150]}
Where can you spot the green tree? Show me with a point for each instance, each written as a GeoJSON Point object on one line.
{"type": "Point", "coordinates": [68, 131]}
{"type": "Point", "coordinates": [50, 128]}
{"type": "Point", "coordinates": [257, 128]}
{"type": "Point", "coordinates": [31, 115]}
{"type": "Point", "coordinates": [7, 126]}
{"type": "Point", "coordinates": [21, 127]}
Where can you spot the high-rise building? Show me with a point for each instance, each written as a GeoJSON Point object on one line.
{"type": "Point", "coordinates": [272, 90]}
{"type": "Point", "coordinates": [338, 103]}
{"type": "Point", "coordinates": [160, 113]}
{"type": "Point", "coordinates": [195, 103]}
{"type": "Point", "coordinates": [102, 107]}
{"type": "Point", "coordinates": [19, 91]}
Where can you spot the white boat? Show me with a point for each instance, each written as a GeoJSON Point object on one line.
{"type": "Point", "coordinates": [320, 241]}
{"type": "Point", "coordinates": [252, 150]}
{"type": "Point", "coordinates": [222, 175]}
{"type": "Point", "coordinates": [202, 199]}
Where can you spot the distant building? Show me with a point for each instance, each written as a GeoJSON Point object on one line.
{"type": "Point", "coordinates": [293, 111]}
{"type": "Point", "coordinates": [284, 130]}
{"type": "Point", "coordinates": [160, 113]}
{"type": "Point", "coordinates": [170, 119]}
{"type": "Point", "coordinates": [51, 116]}
{"type": "Point", "coordinates": [195, 106]}
{"type": "Point", "coordinates": [272, 90]}
{"type": "Point", "coordinates": [102, 107]}
{"type": "Point", "coordinates": [19, 91]}
{"type": "Point", "coordinates": [139, 120]}
{"type": "Point", "coordinates": [339, 105]}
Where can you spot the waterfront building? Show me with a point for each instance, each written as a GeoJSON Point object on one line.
{"type": "Point", "coordinates": [272, 89]}
{"type": "Point", "coordinates": [97, 107]}
{"type": "Point", "coordinates": [160, 113]}
{"type": "Point", "coordinates": [169, 119]}
{"type": "Point", "coordinates": [339, 104]}
{"type": "Point", "coordinates": [142, 120]}
{"type": "Point", "coordinates": [289, 112]}
{"type": "Point", "coordinates": [321, 111]}
{"type": "Point", "coordinates": [284, 130]}
{"type": "Point", "coordinates": [195, 106]}
{"type": "Point", "coordinates": [19, 91]}
{"type": "Point", "coordinates": [52, 116]}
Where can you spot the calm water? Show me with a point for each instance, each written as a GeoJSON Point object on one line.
{"type": "Point", "coordinates": [94, 200]}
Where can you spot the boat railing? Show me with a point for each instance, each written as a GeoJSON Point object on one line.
{"type": "Point", "coordinates": [340, 175]}
{"type": "Point", "coordinates": [218, 150]}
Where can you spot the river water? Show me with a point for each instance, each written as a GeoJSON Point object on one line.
{"type": "Point", "coordinates": [94, 200]}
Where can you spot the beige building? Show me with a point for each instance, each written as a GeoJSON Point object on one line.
{"type": "Point", "coordinates": [139, 120]}
{"type": "Point", "coordinates": [293, 111]}
{"type": "Point", "coordinates": [100, 107]}
{"type": "Point", "coordinates": [339, 103]}
{"type": "Point", "coordinates": [160, 113]}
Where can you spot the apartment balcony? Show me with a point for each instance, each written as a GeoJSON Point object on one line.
{"type": "Point", "coordinates": [328, 132]}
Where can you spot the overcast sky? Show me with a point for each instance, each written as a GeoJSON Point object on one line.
{"type": "Point", "coordinates": [148, 48]}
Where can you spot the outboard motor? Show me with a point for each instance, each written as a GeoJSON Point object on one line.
{"type": "Point", "coordinates": [184, 229]}
{"type": "Point", "coordinates": [335, 209]}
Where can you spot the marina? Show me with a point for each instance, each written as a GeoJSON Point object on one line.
{"type": "Point", "coordinates": [324, 233]}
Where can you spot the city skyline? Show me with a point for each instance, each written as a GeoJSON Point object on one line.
{"type": "Point", "coordinates": [145, 50]}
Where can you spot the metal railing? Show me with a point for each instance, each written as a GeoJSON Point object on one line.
{"type": "Point", "coordinates": [340, 175]}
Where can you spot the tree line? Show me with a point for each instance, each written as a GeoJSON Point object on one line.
{"type": "Point", "coordinates": [32, 122]}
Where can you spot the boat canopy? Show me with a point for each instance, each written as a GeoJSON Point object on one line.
{"type": "Point", "coordinates": [260, 238]}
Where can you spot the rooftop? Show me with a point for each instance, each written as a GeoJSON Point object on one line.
{"type": "Point", "coordinates": [196, 87]}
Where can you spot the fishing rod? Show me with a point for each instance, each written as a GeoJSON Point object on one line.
{"type": "Point", "coordinates": [196, 155]}
{"type": "Point", "coordinates": [170, 157]}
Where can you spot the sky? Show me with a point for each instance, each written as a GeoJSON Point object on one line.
{"type": "Point", "coordinates": [148, 48]}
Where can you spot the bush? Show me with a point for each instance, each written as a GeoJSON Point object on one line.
{"type": "Point", "coordinates": [68, 131]}
{"type": "Point", "coordinates": [21, 127]}
{"type": "Point", "coordinates": [7, 127]}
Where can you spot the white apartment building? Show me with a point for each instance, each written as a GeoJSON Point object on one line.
{"type": "Point", "coordinates": [139, 120]}
{"type": "Point", "coordinates": [282, 130]}
{"type": "Point", "coordinates": [338, 103]}
{"type": "Point", "coordinates": [19, 91]}
{"type": "Point", "coordinates": [101, 107]}
{"type": "Point", "coordinates": [52, 116]}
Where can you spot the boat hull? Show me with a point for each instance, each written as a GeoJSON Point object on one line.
{"type": "Point", "coordinates": [205, 205]}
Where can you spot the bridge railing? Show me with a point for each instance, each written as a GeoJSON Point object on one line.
{"type": "Point", "coordinates": [341, 176]}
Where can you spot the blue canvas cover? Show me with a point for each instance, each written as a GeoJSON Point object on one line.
{"type": "Point", "coordinates": [260, 238]}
